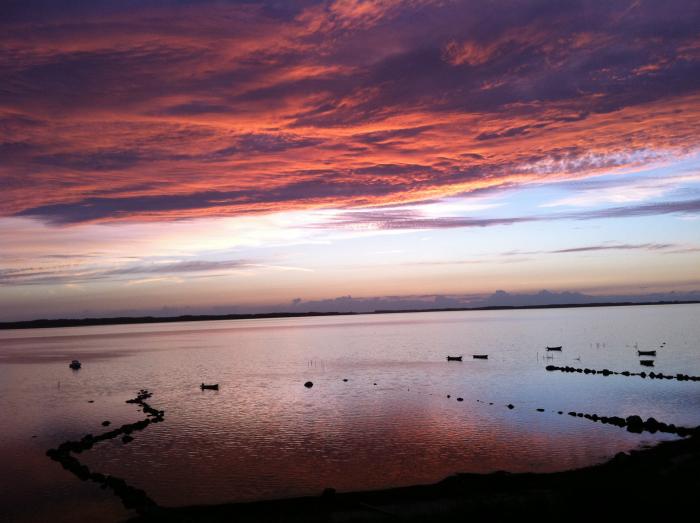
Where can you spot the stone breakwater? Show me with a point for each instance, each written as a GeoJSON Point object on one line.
{"type": "Point", "coordinates": [632, 423]}
{"type": "Point", "coordinates": [606, 372]}
{"type": "Point", "coordinates": [638, 425]}
{"type": "Point", "coordinates": [131, 497]}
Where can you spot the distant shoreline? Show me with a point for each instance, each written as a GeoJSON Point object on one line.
{"type": "Point", "coordinates": [128, 320]}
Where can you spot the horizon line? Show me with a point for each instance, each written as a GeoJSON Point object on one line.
{"type": "Point", "coordinates": [44, 323]}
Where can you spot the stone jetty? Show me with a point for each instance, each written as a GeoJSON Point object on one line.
{"type": "Point", "coordinates": [131, 497]}
{"type": "Point", "coordinates": [638, 425]}
{"type": "Point", "coordinates": [606, 372]}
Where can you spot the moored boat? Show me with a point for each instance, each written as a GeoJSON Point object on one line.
{"type": "Point", "coordinates": [480, 356]}
{"type": "Point", "coordinates": [646, 352]}
{"type": "Point", "coordinates": [554, 348]}
{"type": "Point", "coordinates": [647, 363]}
{"type": "Point", "coordinates": [214, 386]}
{"type": "Point", "coordinates": [75, 364]}
{"type": "Point", "coordinates": [454, 358]}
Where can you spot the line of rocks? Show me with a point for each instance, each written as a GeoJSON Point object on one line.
{"type": "Point", "coordinates": [131, 497]}
{"type": "Point", "coordinates": [631, 423]}
{"type": "Point", "coordinates": [638, 425]}
{"type": "Point", "coordinates": [607, 372]}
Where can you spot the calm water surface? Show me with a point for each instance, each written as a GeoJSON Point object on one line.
{"type": "Point", "coordinates": [264, 435]}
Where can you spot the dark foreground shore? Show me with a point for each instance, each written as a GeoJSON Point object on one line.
{"type": "Point", "coordinates": [656, 484]}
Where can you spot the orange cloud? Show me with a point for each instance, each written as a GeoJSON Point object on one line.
{"type": "Point", "coordinates": [188, 112]}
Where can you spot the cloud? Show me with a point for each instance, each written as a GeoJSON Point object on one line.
{"type": "Point", "coordinates": [397, 219]}
{"type": "Point", "coordinates": [146, 111]}
{"type": "Point", "coordinates": [52, 275]}
{"type": "Point", "coordinates": [616, 247]}
{"type": "Point", "coordinates": [611, 246]}
{"type": "Point", "coordinates": [597, 192]}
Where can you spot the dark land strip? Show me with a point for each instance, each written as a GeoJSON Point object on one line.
{"type": "Point", "coordinates": [125, 320]}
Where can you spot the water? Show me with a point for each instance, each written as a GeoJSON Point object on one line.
{"type": "Point", "coordinates": [264, 435]}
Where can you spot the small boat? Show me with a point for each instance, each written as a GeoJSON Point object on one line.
{"type": "Point", "coordinates": [454, 358]}
{"type": "Point", "coordinates": [480, 356]}
{"type": "Point", "coordinates": [214, 386]}
{"type": "Point", "coordinates": [647, 363]}
{"type": "Point", "coordinates": [75, 364]}
{"type": "Point", "coordinates": [554, 348]}
{"type": "Point", "coordinates": [646, 352]}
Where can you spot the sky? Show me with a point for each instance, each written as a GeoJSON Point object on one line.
{"type": "Point", "coordinates": [200, 156]}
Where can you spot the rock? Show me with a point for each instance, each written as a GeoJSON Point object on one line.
{"type": "Point", "coordinates": [635, 424]}
{"type": "Point", "coordinates": [617, 421]}
{"type": "Point", "coordinates": [105, 423]}
{"type": "Point", "coordinates": [651, 425]}
{"type": "Point", "coordinates": [460, 399]}
{"type": "Point", "coordinates": [510, 406]}
{"type": "Point", "coordinates": [309, 384]}
{"type": "Point", "coordinates": [540, 410]}
{"type": "Point", "coordinates": [127, 439]}
{"type": "Point", "coordinates": [345, 379]}
{"type": "Point", "coordinates": [682, 432]}
{"type": "Point", "coordinates": [621, 456]}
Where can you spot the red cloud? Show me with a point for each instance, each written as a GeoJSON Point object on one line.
{"type": "Point", "coordinates": [217, 109]}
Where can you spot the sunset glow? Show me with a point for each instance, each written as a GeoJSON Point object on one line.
{"type": "Point", "coordinates": [218, 156]}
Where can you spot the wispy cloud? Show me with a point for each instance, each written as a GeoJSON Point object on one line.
{"type": "Point", "coordinates": [610, 246]}
{"type": "Point", "coordinates": [593, 192]}
{"type": "Point", "coordinates": [130, 272]}
{"type": "Point", "coordinates": [616, 247]}
{"type": "Point", "coordinates": [414, 219]}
